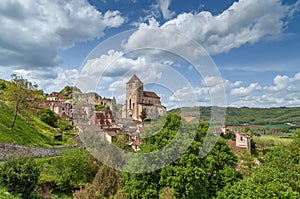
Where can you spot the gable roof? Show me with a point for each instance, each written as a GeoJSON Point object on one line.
{"type": "Point", "coordinates": [133, 79]}
{"type": "Point", "coordinates": [150, 94]}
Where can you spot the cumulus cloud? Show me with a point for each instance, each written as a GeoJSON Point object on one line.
{"type": "Point", "coordinates": [244, 91]}
{"type": "Point", "coordinates": [283, 82]}
{"type": "Point", "coordinates": [32, 32]}
{"type": "Point", "coordinates": [284, 92]}
{"type": "Point", "coordinates": [220, 33]}
{"type": "Point", "coordinates": [116, 66]}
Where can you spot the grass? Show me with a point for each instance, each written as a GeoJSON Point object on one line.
{"type": "Point", "coordinates": [31, 132]}
{"type": "Point", "coordinates": [266, 141]}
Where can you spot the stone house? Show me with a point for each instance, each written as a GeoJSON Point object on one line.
{"type": "Point", "coordinates": [243, 141]}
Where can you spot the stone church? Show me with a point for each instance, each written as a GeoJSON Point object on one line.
{"type": "Point", "coordinates": [137, 100]}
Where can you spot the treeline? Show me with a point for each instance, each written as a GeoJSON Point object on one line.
{"type": "Point", "coordinates": [246, 115]}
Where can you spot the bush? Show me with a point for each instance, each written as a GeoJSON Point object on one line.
{"type": "Point", "coordinates": [19, 175]}
{"type": "Point", "coordinates": [73, 168]}
{"type": "Point", "coordinates": [48, 116]}
{"type": "Point", "coordinates": [63, 125]}
{"type": "Point", "coordinates": [105, 185]}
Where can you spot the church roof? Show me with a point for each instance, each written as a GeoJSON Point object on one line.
{"type": "Point", "coordinates": [150, 94]}
{"type": "Point", "coordinates": [133, 79]}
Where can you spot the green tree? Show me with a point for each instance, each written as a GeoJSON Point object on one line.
{"type": "Point", "coordinates": [2, 85]}
{"type": "Point", "coordinates": [22, 94]}
{"type": "Point", "coordinates": [245, 163]}
{"type": "Point", "coordinates": [48, 116]}
{"type": "Point", "coordinates": [73, 168]}
{"type": "Point", "coordinates": [63, 124]}
{"type": "Point", "coordinates": [143, 114]}
{"type": "Point", "coordinates": [105, 185]}
{"type": "Point", "coordinates": [20, 175]}
{"type": "Point", "coordinates": [189, 176]}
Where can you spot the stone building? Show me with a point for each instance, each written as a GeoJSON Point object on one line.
{"type": "Point", "coordinates": [138, 100]}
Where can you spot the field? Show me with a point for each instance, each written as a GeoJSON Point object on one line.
{"type": "Point", "coordinates": [266, 141]}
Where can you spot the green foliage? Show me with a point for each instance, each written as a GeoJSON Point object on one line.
{"type": "Point", "coordinates": [64, 125]}
{"type": "Point", "coordinates": [72, 168]}
{"type": "Point", "coordinates": [99, 107]}
{"type": "Point", "coordinates": [20, 175]}
{"type": "Point", "coordinates": [67, 92]}
{"type": "Point", "coordinates": [48, 116]}
{"type": "Point", "coordinates": [121, 141]}
{"type": "Point", "coordinates": [279, 176]}
{"type": "Point", "coordinates": [189, 176]}
{"type": "Point", "coordinates": [245, 163]}
{"type": "Point", "coordinates": [105, 185]}
{"type": "Point", "coordinates": [32, 133]}
{"type": "Point", "coordinates": [251, 116]}
{"type": "Point", "coordinates": [4, 194]}
{"type": "Point", "coordinates": [143, 114]}
{"type": "Point", "coordinates": [2, 85]}
{"type": "Point", "coordinates": [22, 95]}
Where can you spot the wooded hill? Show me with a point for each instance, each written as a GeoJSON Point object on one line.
{"type": "Point", "coordinates": [247, 116]}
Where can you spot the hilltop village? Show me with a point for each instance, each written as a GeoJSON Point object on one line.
{"type": "Point", "coordinates": [104, 116]}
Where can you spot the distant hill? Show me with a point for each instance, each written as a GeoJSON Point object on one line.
{"type": "Point", "coordinates": [249, 116]}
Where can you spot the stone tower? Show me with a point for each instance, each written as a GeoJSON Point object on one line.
{"type": "Point", "coordinates": [134, 95]}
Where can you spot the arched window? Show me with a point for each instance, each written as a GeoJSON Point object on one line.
{"type": "Point", "coordinates": [129, 103]}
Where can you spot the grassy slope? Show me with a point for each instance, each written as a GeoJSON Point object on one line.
{"type": "Point", "coordinates": [32, 133]}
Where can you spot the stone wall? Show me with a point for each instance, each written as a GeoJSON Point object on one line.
{"type": "Point", "coordinates": [7, 150]}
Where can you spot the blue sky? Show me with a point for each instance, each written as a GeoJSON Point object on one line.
{"type": "Point", "coordinates": [254, 44]}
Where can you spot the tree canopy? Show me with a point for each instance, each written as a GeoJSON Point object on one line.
{"type": "Point", "coordinates": [189, 176]}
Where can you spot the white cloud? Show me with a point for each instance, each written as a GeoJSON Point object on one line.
{"type": "Point", "coordinates": [164, 7]}
{"type": "Point", "coordinates": [244, 91]}
{"type": "Point", "coordinates": [282, 82]}
{"type": "Point", "coordinates": [284, 92]}
{"type": "Point", "coordinates": [220, 33]}
{"type": "Point", "coordinates": [53, 79]}
{"type": "Point", "coordinates": [32, 32]}
{"type": "Point", "coordinates": [115, 69]}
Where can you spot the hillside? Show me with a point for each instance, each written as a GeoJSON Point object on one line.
{"type": "Point", "coordinates": [250, 116]}
{"type": "Point", "coordinates": [32, 133]}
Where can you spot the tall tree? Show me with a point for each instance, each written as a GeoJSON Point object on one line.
{"type": "Point", "coordinates": [22, 94]}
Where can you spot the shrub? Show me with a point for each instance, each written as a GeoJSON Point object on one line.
{"type": "Point", "coordinates": [19, 175]}
{"type": "Point", "coordinates": [63, 125]}
{"type": "Point", "coordinates": [48, 116]}
{"type": "Point", "coordinates": [73, 168]}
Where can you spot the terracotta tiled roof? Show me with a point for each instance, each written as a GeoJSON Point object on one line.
{"type": "Point", "coordinates": [133, 79]}
{"type": "Point", "coordinates": [190, 119]}
{"type": "Point", "coordinates": [150, 94]}
{"type": "Point", "coordinates": [137, 142]}
{"type": "Point", "coordinates": [232, 144]}
{"type": "Point", "coordinates": [56, 94]}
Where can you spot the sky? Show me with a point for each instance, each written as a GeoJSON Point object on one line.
{"type": "Point", "coordinates": [192, 52]}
